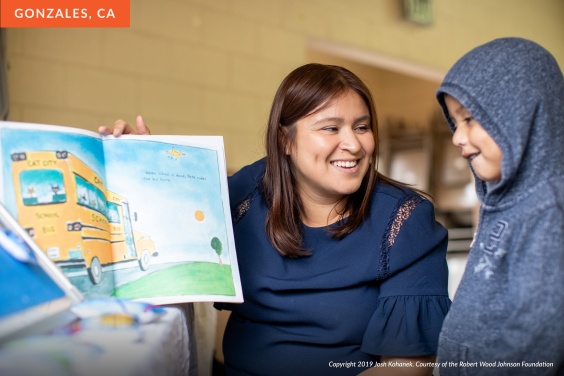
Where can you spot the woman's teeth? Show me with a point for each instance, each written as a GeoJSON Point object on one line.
{"type": "Point", "coordinates": [347, 164]}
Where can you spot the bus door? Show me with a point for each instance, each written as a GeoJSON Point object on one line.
{"type": "Point", "coordinates": [128, 230]}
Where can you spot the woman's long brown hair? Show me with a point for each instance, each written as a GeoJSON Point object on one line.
{"type": "Point", "coordinates": [304, 91]}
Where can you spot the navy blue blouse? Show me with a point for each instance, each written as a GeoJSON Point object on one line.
{"type": "Point", "coordinates": [380, 291]}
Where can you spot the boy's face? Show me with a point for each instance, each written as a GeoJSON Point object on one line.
{"type": "Point", "coordinates": [475, 143]}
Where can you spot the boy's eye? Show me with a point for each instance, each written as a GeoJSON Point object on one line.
{"type": "Point", "coordinates": [468, 119]}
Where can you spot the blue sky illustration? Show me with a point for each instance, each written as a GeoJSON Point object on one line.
{"type": "Point", "coordinates": [166, 191]}
{"type": "Point", "coordinates": [164, 187]}
{"type": "Point", "coordinates": [89, 149]}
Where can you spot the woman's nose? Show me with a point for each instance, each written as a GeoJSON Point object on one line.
{"type": "Point", "coordinates": [349, 141]}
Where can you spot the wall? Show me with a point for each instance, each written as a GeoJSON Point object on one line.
{"type": "Point", "coordinates": [396, 95]}
{"type": "Point", "coordinates": [212, 66]}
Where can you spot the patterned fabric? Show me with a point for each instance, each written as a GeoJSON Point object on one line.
{"type": "Point", "coordinates": [244, 206]}
{"type": "Point", "coordinates": [296, 318]}
{"type": "Point", "coordinates": [401, 213]}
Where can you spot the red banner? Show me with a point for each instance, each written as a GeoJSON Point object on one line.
{"type": "Point", "coordinates": [64, 13]}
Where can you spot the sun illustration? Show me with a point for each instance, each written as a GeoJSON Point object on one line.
{"type": "Point", "coordinates": [199, 215]}
{"type": "Point", "coordinates": [175, 154]}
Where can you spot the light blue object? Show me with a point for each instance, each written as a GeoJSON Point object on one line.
{"type": "Point", "coordinates": [23, 283]}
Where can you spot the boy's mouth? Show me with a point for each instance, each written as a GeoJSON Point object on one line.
{"type": "Point", "coordinates": [470, 157]}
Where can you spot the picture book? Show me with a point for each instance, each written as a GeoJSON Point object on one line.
{"type": "Point", "coordinates": [35, 295]}
{"type": "Point", "coordinates": [134, 217]}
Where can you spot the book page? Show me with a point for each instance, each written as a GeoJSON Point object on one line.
{"type": "Point", "coordinates": [33, 291]}
{"type": "Point", "coordinates": [53, 183]}
{"type": "Point", "coordinates": [146, 219]}
{"type": "Point", "coordinates": [168, 207]}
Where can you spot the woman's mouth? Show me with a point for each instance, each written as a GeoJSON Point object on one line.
{"type": "Point", "coordinates": [345, 164]}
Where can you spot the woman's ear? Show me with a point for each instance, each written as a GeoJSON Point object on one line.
{"type": "Point", "coordinates": [283, 137]}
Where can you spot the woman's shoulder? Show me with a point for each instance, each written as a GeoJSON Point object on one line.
{"type": "Point", "coordinates": [242, 183]}
{"type": "Point", "coordinates": [254, 170]}
{"type": "Point", "coordinates": [410, 227]}
{"type": "Point", "coordinates": [395, 193]}
{"type": "Point", "coordinates": [407, 209]}
{"type": "Point", "coordinates": [400, 202]}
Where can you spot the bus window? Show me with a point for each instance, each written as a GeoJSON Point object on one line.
{"type": "Point", "coordinates": [101, 202]}
{"type": "Point", "coordinates": [113, 213]}
{"type": "Point", "coordinates": [81, 192]}
{"type": "Point", "coordinates": [90, 196]}
{"type": "Point", "coordinates": [40, 187]}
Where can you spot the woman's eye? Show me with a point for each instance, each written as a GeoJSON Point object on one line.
{"type": "Point", "coordinates": [468, 119]}
{"type": "Point", "coordinates": [331, 128]}
{"type": "Point", "coordinates": [362, 128]}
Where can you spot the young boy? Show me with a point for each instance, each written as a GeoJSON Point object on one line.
{"type": "Point", "coordinates": [504, 102]}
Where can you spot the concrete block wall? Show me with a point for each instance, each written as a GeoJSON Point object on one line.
{"type": "Point", "coordinates": [212, 66]}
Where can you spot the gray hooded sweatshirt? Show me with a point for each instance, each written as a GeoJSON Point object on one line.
{"type": "Point", "coordinates": [507, 317]}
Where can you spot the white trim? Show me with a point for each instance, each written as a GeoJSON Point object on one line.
{"type": "Point", "coordinates": [375, 59]}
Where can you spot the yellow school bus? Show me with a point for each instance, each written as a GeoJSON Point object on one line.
{"type": "Point", "coordinates": [127, 244]}
{"type": "Point", "coordinates": [63, 205]}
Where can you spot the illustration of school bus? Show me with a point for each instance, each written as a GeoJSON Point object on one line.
{"type": "Point", "coordinates": [65, 207]}
{"type": "Point", "coordinates": [126, 242]}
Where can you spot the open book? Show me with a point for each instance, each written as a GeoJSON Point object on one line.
{"type": "Point", "coordinates": [135, 217]}
{"type": "Point", "coordinates": [36, 297]}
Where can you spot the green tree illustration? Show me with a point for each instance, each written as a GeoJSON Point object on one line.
{"type": "Point", "coordinates": [218, 248]}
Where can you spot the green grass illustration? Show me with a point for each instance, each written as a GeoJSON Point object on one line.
{"type": "Point", "coordinates": [197, 278]}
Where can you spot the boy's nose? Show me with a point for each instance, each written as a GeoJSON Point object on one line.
{"type": "Point", "coordinates": [459, 136]}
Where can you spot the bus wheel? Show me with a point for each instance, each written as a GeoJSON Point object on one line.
{"type": "Point", "coordinates": [145, 260]}
{"type": "Point", "coordinates": [95, 271]}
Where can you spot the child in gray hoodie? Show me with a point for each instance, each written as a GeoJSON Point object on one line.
{"type": "Point", "coordinates": [504, 102]}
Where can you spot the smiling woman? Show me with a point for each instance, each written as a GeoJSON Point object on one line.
{"type": "Point", "coordinates": [330, 155]}
{"type": "Point", "coordinates": [341, 240]}
{"type": "Point", "coordinates": [323, 237]}
{"type": "Point", "coordinates": [319, 109]}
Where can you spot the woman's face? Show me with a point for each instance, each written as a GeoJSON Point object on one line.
{"type": "Point", "coordinates": [332, 149]}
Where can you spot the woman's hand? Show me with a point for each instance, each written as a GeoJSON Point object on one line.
{"type": "Point", "coordinates": [121, 127]}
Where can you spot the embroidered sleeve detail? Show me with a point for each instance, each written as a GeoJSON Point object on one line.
{"type": "Point", "coordinates": [401, 213]}
{"type": "Point", "coordinates": [245, 205]}
{"type": "Point", "coordinates": [241, 209]}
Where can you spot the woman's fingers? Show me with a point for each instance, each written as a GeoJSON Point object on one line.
{"type": "Point", "coordinates": [122, 127]}
{"type": "Point", "coordinates": [142, 128]}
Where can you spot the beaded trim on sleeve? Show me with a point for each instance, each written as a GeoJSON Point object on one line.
{"type": "Point", "coordinates": [245, 205]}
{"type": "Point", "coordinates": [401, 213]}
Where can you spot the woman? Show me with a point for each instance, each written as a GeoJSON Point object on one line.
{"type": "Point", "coordinates": [341, 267]}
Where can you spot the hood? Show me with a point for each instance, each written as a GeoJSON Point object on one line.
{"type": "Point", "coordinates": [514, 88]}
